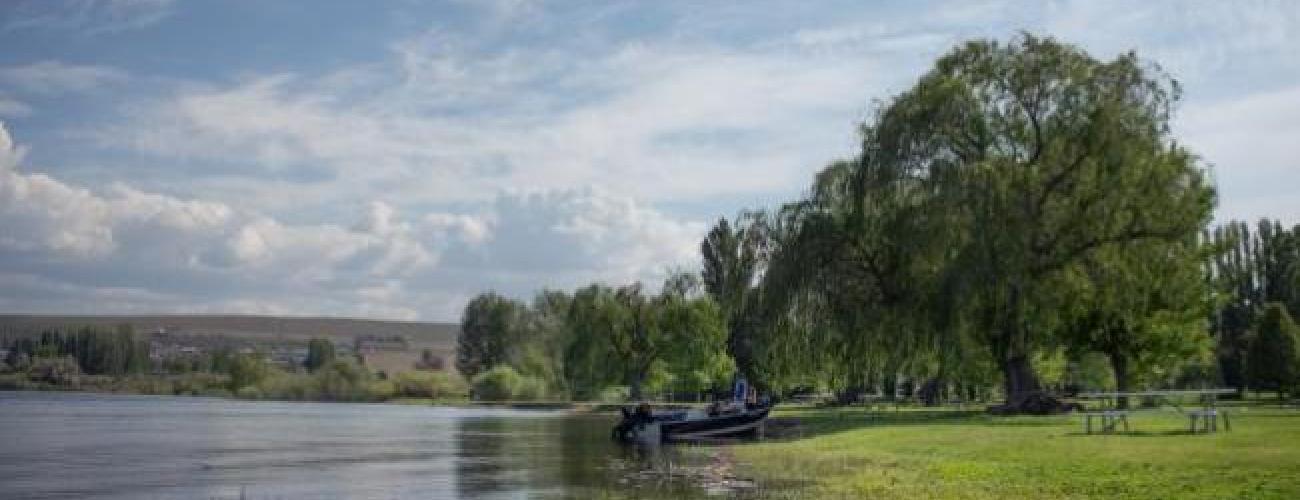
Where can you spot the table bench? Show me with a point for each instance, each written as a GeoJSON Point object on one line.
{"type": "Point", "coordinates": [1110, 419]}
{"type": "Point", "coordinates": [1203, 419]}
{"type": "Point", "coordinates": [1209, 420]}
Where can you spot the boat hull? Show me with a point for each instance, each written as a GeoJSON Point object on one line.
{"type": "Point", "coordinates": [740, 424]}
{"type": "Point", "coordinates": [665, 429]}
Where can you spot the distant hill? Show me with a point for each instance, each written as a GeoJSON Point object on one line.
{"type": "Point", "coordinates": [251, 327]}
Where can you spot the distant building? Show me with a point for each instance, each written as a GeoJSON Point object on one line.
{"type": "Point", "coordinates": [370, 344]}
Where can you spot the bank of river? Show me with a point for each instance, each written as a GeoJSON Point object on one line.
{"type": "Point", "coordinates": [99, 446]}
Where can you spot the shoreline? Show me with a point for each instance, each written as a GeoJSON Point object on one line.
{"type": "Point", "coordinates": [574, 407]}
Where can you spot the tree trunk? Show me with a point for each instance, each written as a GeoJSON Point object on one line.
{"type": "Point", "coordinates": [1018, 377]}
{"type": "Point", "coordinates": [634, 386]}
{"type": "Point", "coordinates": [889, 386]}
{"type": "Point", "coordinates": [1119, 363]}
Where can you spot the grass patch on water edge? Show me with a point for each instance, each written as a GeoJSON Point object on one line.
{"type": "Point", "coordinates": [950, 454]}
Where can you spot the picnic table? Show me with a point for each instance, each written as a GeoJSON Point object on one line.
{"type": "Point", "coordinates": [1204, 416]}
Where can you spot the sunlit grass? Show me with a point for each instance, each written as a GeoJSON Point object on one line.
{"type": "Point", "coordinates": [952, 454]}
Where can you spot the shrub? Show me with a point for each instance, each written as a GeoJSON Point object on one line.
{"type": "Point", "coordinates": [417, 384]}
{"type": "Point", "coordinates": [290, 386]}
{"type": "Point", "coordinates": [246, 370]}
{"type": "Point", "coordinates": [613, 394]}
{"type": "Point", "coordinates": [496, 384]}
{"type": "Point", "coordinates": [530, 389]}
{"type": "Point", "coordinates": [381, 390]}
{"type": "Point", "coordinates": [342, 381]}
{"type": "Point", "coordinates": [250, 392]}
{"type": "Point", "coordinates": [199, 384]}
{"type": "Point", "coordinates": [61, 371]}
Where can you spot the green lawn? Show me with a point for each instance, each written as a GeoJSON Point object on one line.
{"type": "Point", "coordinates": [915, 454]}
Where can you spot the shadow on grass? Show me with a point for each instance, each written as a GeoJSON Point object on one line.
{"type": "Point", "coordinates": [812, 423]}
{"type": "Point", "coordinates": [1141, 434]}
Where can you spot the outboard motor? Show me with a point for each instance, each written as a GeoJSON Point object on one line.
{"type": "Point", "coordinates": [637, 425]}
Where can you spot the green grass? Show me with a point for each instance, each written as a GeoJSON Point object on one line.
{"type": "Point", "coordinates": [915, 454]}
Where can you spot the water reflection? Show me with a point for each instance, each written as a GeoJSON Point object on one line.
{"type": "Point", "coordinates": [569, 457]}
{"type": "Point", "coordinates": [115, 447]}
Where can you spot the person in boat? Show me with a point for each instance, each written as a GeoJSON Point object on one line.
{"type": "Point", "coordinates": [633, 419]}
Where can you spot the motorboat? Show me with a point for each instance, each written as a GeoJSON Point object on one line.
{"type": "Point", "coordinates": [719, 420]}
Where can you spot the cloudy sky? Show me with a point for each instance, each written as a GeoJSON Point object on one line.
{"type": "Point", "coordinates": [392, 159]}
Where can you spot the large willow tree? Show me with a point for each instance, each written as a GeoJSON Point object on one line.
{"type": "Point", "coordinates": [1041, 156]}
{"type": "Point", "coordinates": [1006, 168]}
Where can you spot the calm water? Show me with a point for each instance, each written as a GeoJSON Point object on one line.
{"type": "Point", "coordinates": [68, 445]}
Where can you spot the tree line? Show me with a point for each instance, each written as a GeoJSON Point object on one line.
{"type": "Point", "coordinates": [117, 360]}
{"type": "Point", "coordinates": [595, 341]}
{"type": "Point", "coordinates": [1255, 275]}
{"type": "Point", "coordinates": [94, 351]}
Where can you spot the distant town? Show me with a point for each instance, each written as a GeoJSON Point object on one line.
{"type": "Point", "coordinates": [381, 346]}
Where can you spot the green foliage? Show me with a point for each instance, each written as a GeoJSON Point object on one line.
{"type": "Point", "coordinates": [1250, 269]}
{"type": "Point", "coordinates": [199, 384]}
{"type": "Point", "coordinates": [732, 256]}
{"type": "Point", "coordinates": [490, 325]}
{"type": "Point", "coordinates": [1142, 304]}
{"type": "Point", "coordinates": [320, 352]}
{"type": "Point", "coordinates": [694, 348]}
{"type": "Point", "coordinates": [343, 381]}
{"type": "Point", "coordinates": [96, 351]}
{"type": "Point", "coordinates": [1273, 361]}
{"type": "Point", "coordinates": [501, 383]}
{"type": "Point", "coordinates": [434, 385]}
{"type": "Point", "coordinates": [1007, 172]}
{"type": "Point", "coordinates": [59, 371]}
{"type": "Point", "coordinates": [577, 345]}
{"type": "Point", "coordinates": [612, 394]}
{"type": "Point", "coordinates": [246, 370]}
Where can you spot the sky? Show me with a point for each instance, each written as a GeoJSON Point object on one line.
{"type": "Point", "coordinates": [391, 160]}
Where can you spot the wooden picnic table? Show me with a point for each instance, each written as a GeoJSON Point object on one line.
{"type": "Point", "coordinates": [1206, 418]}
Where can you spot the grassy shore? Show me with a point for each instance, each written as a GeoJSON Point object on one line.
{"type": "Point", "coordinates": [914, 454]}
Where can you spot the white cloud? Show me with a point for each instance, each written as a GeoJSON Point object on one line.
{"type": "Point", "coordinates": [567, 238]}
{"type": "Point", "coordinates": [129, 251]}
{"type": "Point", "coordinates": [55, 77]}
{"type": "Point", "coordinates": [90, 17]}
{"type": "Point", "coordinates": [1251, 141]}
{"type": "Point", "coordinates": [658, 122]}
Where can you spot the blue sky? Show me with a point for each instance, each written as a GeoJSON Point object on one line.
{"type": "Point", "coordinates": [391, 159]}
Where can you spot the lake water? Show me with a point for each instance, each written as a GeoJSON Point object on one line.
{"type": "Point", "coordinates": [71, 445]}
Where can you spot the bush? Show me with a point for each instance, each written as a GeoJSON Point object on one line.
{"type": "Point", "coordinates": [436, 385]}
{"type": "Point", "coordinates": [199, 384]}
{"type": "Point", "coordinates": [246, 370]}
{"type": "Point", "coordinates": [60, 371]}
{"type": "Point", "coordinates": [342, 381]}
{"type": "Point", "coordinates": [503, 383]}
{"type": "Point", "coordinates": [290, 386]}
{"type": "Point", "coordinates": [613, 394]}
{"type": "Point", "coordinates": [530, 389]}
{"type": "Point", "coordinates": [250, 392]}
{"type": "Point", "coordinates": [498, 384]}
{"type": "Point", "coordinates": [381, 390]}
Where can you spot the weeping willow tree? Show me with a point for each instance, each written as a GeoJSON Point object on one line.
{"type": "Point", "coordinates": [845, 294]}
{"type": "Point", "coordinates": [1005, 167]}
{"type": "Point", "coordinates": [733, 257]}
{"type": "Point", "coordinates": [1041, 157]}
